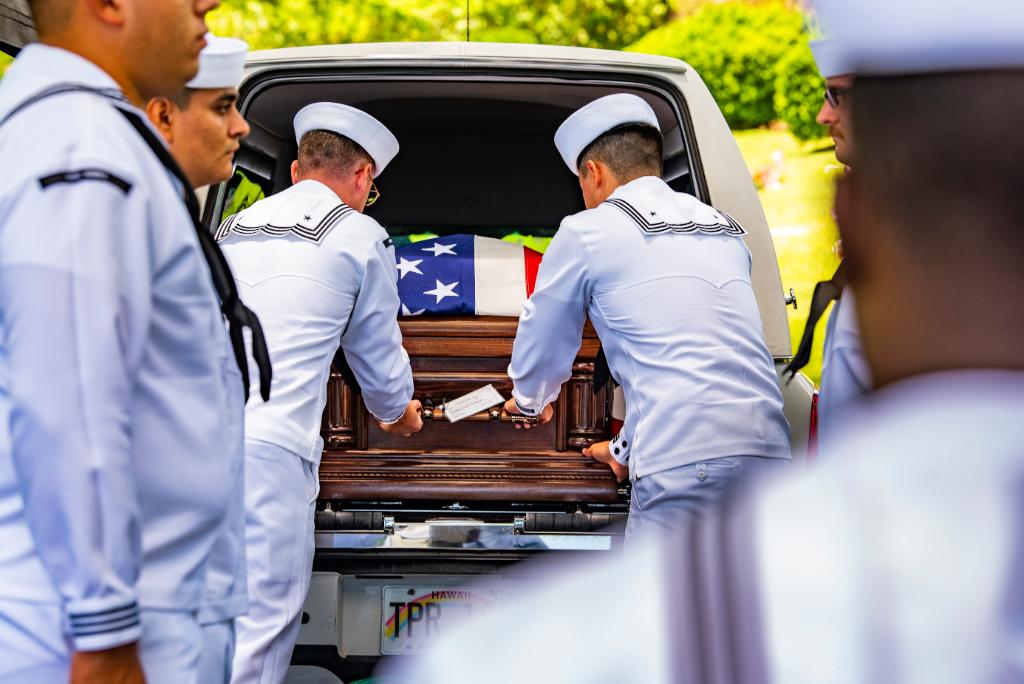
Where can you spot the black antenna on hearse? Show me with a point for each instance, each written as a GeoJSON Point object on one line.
{"type": "Point", "coordinates": [467, 21]}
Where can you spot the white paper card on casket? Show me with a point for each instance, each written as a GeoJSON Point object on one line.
{"type": "Point", "coordinates": [474, 402]}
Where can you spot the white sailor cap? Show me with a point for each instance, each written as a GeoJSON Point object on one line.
{"type": "Point", "coordinates": [593, 120]}
{"type": "Point", "coordinates": [220, 63]}
{"type": "Point", "coordinates": [893, 37]}
{"type": "Point", "coordinates": [829, 58]}
{"type": "Point", "coordinates": [356, 125]}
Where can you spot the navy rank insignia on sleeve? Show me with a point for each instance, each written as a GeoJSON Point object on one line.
{"type": "Point", "coordinates": [80, 175]}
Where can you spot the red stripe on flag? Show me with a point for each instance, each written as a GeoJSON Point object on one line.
{"type": "Point", "coordinates": [531, 259]}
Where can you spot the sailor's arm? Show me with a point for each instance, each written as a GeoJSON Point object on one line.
{"type": "Point", "coordinates": [75, 295]}
{"type": "Point", "coordinates": [372, 344]}
{"type": "Point", "coordinates": [551, 325]}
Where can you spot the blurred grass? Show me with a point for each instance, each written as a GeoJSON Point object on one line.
{"type": "Point", "coordinates": [799, 210]}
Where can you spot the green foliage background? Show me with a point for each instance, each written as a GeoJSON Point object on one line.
{"type": "Point", "coordinates": [798, 92]}
{"type": "Point", "coordinates": [588, 23]}
{"type": "Point", "coordinates": [747, 53]}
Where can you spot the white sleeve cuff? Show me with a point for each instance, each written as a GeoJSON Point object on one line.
{"type": "Point", "coordinates": [99, 624]}
{"type": "Point", "coordinates": [619, 448]}
{"type": "Point", "coordinates": [392, 421]}
{"type": "Point", "coordinates": [526, 411]}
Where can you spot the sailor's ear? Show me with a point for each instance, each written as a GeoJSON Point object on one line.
{"type": "Point", "coordinates": [367, 169]}
{"type": "Point", "coordinates": [295, 172]}
{"type": "Point", "coordinates": [111, 12]}
{"type": "Point", "coordinates": [161, 114]}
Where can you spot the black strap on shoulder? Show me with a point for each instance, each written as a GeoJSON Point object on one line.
{"type": "Point", "coordinates": [340, 364]}
{"type": "Point", "coordinates": [602, 373]}
{"type": "Point", "coordinates": [825, 293]}
{"type": "Point", "coordinates": [237, 314]}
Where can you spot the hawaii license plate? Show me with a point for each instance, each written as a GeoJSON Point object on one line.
{"type": "Point", "coordinates": [414, 616]}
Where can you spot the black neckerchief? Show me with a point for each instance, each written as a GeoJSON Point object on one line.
{"type": "Point", "coordinates": [825, 292]}
{"type": "Point", "coordinates": [237, 314]}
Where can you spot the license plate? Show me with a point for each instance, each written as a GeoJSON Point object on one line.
{"type": "Point", "coordinates": [414, 616]}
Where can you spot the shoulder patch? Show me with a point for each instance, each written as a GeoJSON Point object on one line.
{"type": "Point", "coordinates": [79, 175]}
{"type": "Point", "coordinates": [388, 242]}
{"type": "Point", "coordinates": [648, 227]}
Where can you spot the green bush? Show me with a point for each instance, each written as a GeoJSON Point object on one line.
{"type": "Point", "coordinates": [798, 92]}
{"type": "Point", "coordinates": [588, 23]}
{"type": "Point", "coordinates": [736, 48]}
{"type": "Point", "coordinates": [284, 23]}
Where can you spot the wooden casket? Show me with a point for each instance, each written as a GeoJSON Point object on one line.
{"type": "Point", "coordinates": [482, 458]}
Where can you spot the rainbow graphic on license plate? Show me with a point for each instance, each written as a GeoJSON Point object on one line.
{"type": "Point", "coordinates": [424, 609]}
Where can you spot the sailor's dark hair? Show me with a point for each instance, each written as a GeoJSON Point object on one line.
{"type": "Point", "coordinates": [629, 150]}
{"type": "Point", "coordinates": [329, 152]}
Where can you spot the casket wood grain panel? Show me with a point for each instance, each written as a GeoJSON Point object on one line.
{"type": "Point", "coordinates": [468, 460]}
{"type": "Point", "coordinates": [372, 475]}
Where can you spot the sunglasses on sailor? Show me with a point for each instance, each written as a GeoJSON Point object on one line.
{"type": "Point", "coordinates": [833, 95]}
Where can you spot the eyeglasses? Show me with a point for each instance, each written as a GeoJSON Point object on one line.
{"type": "Point", "coordinates": [834, 93]}
{"type": "Point", "coordinates": [374, 195]}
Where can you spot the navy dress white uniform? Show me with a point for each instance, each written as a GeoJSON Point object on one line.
{"type": "Point", "coordinates": [120, 401]}
{"type": "Point", "coordinates": [221, 64]}
{"type": "Point", "coordinates": [665, 280]}
{"type": "Point", "coordinates": [845, 376]}
{"type": "Point", "coordinates": [319, 274]}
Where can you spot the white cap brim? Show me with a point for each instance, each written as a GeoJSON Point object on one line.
{"type": "Point", "coordinates": [593, 120]}
{"type": "Point", "coordinates": [829, 58]}
{"type": "Point", "coordinates": [922, 36]}
{"type": "Point", "coordinates": [221, 63]}
{"type": "Point", "coordinates": [354, 124]}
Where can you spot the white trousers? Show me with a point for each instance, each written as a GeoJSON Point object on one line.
{"type": "Point", "coordinates": [280, 503]}
{"type": "Point", "coordinates": [665, 502]}
{"type": "Point", "coordinates": [35, 650]}
{"type": "Point", "coordinates": [218, 652]}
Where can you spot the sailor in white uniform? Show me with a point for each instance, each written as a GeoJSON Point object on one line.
{"type": "Point", "coordinates": [665, 280]}
{"type": "Point", "coordinates": [901, 559]}
{"type": "Point", "coordinates": [121, 403]}
{"type": "Point", "coordinates": [202, 127]}
{"type": "Point", "coordinates": [845, 377]}
{"type": "Point", "coordinates": [321, 274]}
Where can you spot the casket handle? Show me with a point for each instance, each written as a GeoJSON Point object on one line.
{"type": "Point", "coordinates": [496, 414]}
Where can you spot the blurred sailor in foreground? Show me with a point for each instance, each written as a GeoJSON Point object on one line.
{"type": "Point", "coordinates": [665, 280]}
{"type": "Point", "coordinates": [120, 398]}
{"type": "Point", "coordinates": [202, 127]}
{"type": "Point", "coordinates": [902, 558]}
{"type": "Point", "coordinates": [320, 273]}
{"type": "Point", "coordinates": [845, 376]}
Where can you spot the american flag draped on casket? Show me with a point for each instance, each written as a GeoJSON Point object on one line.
{"type": "Point", "coordinates": [472, 275]}
{"type": "Point", "coordinates": [465, 275]}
